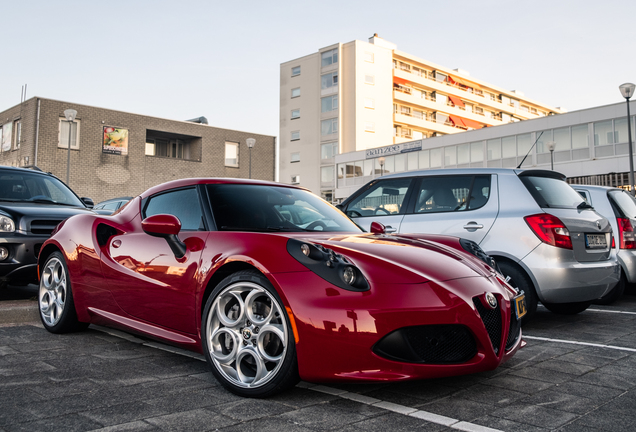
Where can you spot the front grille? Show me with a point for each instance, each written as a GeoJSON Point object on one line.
{"type": "Point", "coordinates": [514, 330]}
{"type": "Point", "coordinates": [44, 227]}
{"type": "Point", "coordinates": [492, 322]}
{"type": "Point", "coordinates": [431, 344]}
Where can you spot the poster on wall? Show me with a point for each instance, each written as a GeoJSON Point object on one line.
{"type": "Point", "coordinates": [6, 136]}
{"type": "Point", "coordinates": [115, 141]}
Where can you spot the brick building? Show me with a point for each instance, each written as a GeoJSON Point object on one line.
{"type": "Point", "coordinates": [115, 153]}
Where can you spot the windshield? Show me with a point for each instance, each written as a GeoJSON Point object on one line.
{"type": "Point", "coordinates": [552, 193]}
{"type": "Point", "coordinates": [239, 207]}
{"type": "Point", "coordinates": [27, 187]}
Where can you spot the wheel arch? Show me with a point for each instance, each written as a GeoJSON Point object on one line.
{"type": "Point", "coordinates": [45, 253]}
{"type": "Point", "coordinates": [519, 266]}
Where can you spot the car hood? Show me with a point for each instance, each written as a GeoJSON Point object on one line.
{"type": "Point", "coordinates": [18, 209]}
{"type": "Point", "coordinates": [402, 258]}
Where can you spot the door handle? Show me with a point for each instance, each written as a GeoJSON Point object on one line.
{"type": "Point", "coordinates": [389, 229]}
{"type": "Point", "coordinates": [473, 226]}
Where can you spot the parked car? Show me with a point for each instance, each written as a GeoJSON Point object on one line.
{"type": "Point", "coordinates": [619, 207]}
{"type": "Point", "coordinates": [542, 234]}
{"type": "Point", "coordinates": [32, 203]}
{"type": "Point", "coordinates": [110, 206]}
{"type": "Point", "coordinates": [273, 284]}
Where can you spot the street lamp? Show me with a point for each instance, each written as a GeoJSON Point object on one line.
{"type": "Point", "coordinates": [70, 118]}
{"type": "Point", "coordinates": [551, 146]}
{"type": "Point", "coordinates": [627, 90]}
{"type": "Point", "coordinates": [382, 160]}
{"type": "Point", "coordinates": [250, 143]}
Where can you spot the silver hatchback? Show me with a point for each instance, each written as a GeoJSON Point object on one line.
{"type": "Point", "coordinates": [542, 234]}
{"type": "Point", "coordinates": [620, 208]}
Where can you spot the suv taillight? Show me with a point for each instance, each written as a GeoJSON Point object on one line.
{"type": "Point", "coordinates": [550, 230]}
{"type": "Point", "coordinates": [626, 233]}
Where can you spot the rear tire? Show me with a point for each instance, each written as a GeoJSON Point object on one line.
{"type": "Point", "coordinates": [55, 299]}
{"type": "Point", "coordinates": [518, 279]}
{"type": "Point", "coordinates": [567, 308]}
{"type": "Point", "coordinates": [615, 293]}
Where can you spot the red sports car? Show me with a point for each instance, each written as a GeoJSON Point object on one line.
{"type": "Point", "coordinates": [274, 285]}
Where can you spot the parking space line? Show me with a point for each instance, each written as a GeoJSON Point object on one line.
{"type": "Point", "coordinates": [389, 406]}
{"type": "Point", "coordinates": [610, 311]}
{"type": "Point", "coordinates": [525, 336]}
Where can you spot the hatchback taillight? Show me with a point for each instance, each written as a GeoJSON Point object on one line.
{"type": "Point", "coordinates": [626, 233]}
{"type": "Point", "coordinates": [550, 230]}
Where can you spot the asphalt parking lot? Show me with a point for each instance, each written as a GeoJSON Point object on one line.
{"type": "Point", "coordinates": [577, 373]}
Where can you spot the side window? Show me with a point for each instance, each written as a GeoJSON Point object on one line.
{"type": "Point", "coordinates": [386, 197]}
{"type": "Point", "coordinates": [448, 194]}
{"type": "Point", "coordinates": [182, 203]}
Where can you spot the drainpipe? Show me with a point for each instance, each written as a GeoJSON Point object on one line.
{"type": "Point", "coordinates": [37, 134]}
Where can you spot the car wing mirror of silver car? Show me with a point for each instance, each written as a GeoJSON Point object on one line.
{"type": "Point", "coordinates": [166, 226]}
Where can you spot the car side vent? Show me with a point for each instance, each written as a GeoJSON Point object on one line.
{"type": "Point", "coordinates": [44, 226]}
{"type": "Point", "coordinates": [492, 322]}
{"type": "Point", "coordinates": [104, 232]}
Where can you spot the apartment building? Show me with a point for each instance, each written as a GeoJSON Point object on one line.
{"type": "Point", "coordinates": [356, 96]}
{"type": "Point", "coordinates": [116, 153]}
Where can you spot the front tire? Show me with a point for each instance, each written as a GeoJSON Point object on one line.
{"type": "Point", "coordinates": [518, 279]}
{"type": "Point", "coordinates": [55, 298]}
{"type": "Point", "coordinates": [247, 337]}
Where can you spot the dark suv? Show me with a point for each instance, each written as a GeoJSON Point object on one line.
{"type": "Point", "coordinates": [32, 203]}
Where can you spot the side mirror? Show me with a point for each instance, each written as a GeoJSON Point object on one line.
{"type": "Point", "coordinates": [377, 228]}
{"type": "Point", "coordinates": [88, 202]}
{"type": "Point", "coordinates": [166, 226]}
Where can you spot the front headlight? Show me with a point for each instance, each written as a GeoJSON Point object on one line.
{"type": "Point", "coordinates": [332, 267]}
{"type": "Point", "coordinates": [6, 224]}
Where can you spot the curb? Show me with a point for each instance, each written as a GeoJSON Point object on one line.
{"type": "Point", "coordinates": [19, 311]}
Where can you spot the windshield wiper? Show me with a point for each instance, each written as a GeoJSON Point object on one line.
{"type": "Point", "coordinates": [584, 205]}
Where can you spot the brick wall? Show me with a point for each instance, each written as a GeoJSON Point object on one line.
{"type": "Point", "coordinates": [101, 176]}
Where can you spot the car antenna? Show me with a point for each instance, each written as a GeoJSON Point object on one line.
{"type": "Point", "coordinates": [535, 143]}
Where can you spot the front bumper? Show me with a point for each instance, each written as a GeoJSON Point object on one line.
{"type": "Point", "coordinates": [339, 330]}
{"type": "Point", "coordinates": [20, 267]}
{"type": "Point", "coordinates": [561, 279]}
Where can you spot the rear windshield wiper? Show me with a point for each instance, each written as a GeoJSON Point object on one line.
{"type": "Point", "coordinates": [584, 205]}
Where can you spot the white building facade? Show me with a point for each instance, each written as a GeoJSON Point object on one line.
{"type": "Point", "coordinates": [360, 95]}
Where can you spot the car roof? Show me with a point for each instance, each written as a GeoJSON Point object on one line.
{"type": "Point", "coordinates": [31, 170]}
{"type": "Point", "coordinates": [115, 199]}
{"type": "Point", "coordinates": [458, 171]}
{"type": "Point", "coordinates": [212, 180]}
{"type": "Point", "coordinates": [595, 187]}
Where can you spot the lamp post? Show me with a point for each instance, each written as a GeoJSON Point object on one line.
{"type": "Point", "coordinates": [551, 146]}
{"type": "Point", "coordinates": [250, 143]}
{"type": "Point", "coordinates": [627, 90]}
{"type": "Point", "coordinates": [70, 118]}
{"type": "Point", "coordinates": [382, 160]}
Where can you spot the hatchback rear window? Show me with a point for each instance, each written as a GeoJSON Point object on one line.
{"type": "Point", "coordinates": [625, 202]}
{"type": "Point", "coordinates": [551, 192]}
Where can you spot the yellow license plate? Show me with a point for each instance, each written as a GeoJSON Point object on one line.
{"type": "Point", "coordinates": [520, 305]}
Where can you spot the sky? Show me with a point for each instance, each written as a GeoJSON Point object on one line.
{"type": "Point", "coordinates": [185, 59]}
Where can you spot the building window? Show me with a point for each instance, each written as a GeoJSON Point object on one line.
{"type": "Point", "coordinates": [231, 154]}
{"type": "Point", "coordinates": [295, 157]}
{"type": "Point", "coordinates": [369, 79]}
{"type": "Point", "coordinates": [17, 127]}
{"type": "Point", "coordinates": [295, 114]}
{"type": "Point", "coordinates": [296, 92]}
{"type": "Point", "coordinates": [164, 144]}
{"type": "Point", "coordinates": [329, 103]}
{"type": "Point", "coordinates": [369, 103]}
{"type": "Point", "coordinates": [327, 174]}
{"type": "Point", "coordinates": [368, 56]}
{"type": "Point", "coordinates": [329, 57]}
{"type": "Point", "coordinates": [63, 135]}
{"type": "Point", "coordinates": [295, 71]}
{"type": "Point", "coordinates": [329, 80]}
{"type": "Point", "coordinates": [329, 150]}
{"type": "Point", "coordinates": [295, 179]}
{"type": "Point", "coordinates": [295, 135]}
{"type": "Point", "coordinates": [369, 126]}
{"type": "Point", "coordinates": [329, 126]}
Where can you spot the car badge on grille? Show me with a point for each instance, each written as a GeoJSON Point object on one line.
{"type": "Point", "coordinates": [491, 299]}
